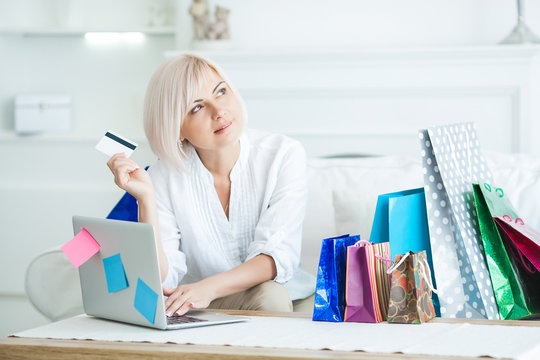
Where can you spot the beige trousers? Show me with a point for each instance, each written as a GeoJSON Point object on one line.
{"type": "Point", "coordinates": [268, 296]}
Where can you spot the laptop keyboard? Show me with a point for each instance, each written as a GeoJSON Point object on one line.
{"type": "Point", "coordinates": [182, 319]}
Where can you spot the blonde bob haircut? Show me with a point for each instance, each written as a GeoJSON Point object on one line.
{"type": "Point", "coordinates": [169, 97]}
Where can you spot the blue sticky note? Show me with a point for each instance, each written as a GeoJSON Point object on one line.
{"type": "Point", "coordinates": [115, 274]}
{"type": "Point", "coordinates": [145, 300]}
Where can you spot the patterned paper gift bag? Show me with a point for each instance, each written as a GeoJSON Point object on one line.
{"type": "Point", "coordinates": [452, 161]}
{"type": "Point", "coordinates": [367, 284]}
{"type": "Point", "coordinates": [411, 288]}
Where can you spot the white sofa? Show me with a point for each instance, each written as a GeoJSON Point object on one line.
{"type": "Point", "coordinates": [342, 197]}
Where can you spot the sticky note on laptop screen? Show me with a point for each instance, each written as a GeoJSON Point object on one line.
{"type": "Point", "coordinates": [81, 248]}
{"type": "Point", "coordinates": [112, 143]}
{"type": "Point", "coordinates": [115, 273]}
{"type": "Point", "coordinates": [145, 301]}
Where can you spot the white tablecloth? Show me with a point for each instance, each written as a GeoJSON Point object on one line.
{"type": "Point", "coordinates": [519, 342]}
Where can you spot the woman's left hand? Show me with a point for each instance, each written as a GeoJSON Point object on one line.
{"type": "Point", "coordinates": [191, 296]}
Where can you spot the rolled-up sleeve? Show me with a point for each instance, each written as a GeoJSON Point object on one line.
{"type": "Point", "coordinates": [279, 230]}
{"type": "Point", "coordinates": [168, 227]}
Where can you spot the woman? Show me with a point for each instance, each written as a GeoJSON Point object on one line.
{"type": "Point", "coordinates": [227, 205]}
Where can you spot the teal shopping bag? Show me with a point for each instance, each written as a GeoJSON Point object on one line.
{"type": "Point", "coordinates": [401, 219]}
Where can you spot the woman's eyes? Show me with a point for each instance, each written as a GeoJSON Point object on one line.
{"type": "Point", "coordinates": [222, 91]}
{"type": "Point", "coordinates": [196, 108]}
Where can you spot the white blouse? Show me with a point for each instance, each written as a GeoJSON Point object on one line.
{"type": "Point", "coordinates": [266, 210]}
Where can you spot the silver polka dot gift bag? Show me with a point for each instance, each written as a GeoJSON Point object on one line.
{"type": "Point", "coordinates": [452, 161]}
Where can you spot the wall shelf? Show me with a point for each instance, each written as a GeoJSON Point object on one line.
{"type": "Point", "coordinates": [53, 32]}
{"type": "Point", "coordinates": [378, 56]}
{"type": "Point", "coordinates": [7, 137]}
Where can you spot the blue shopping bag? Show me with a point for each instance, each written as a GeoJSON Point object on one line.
{"type": "Point", "coordinates": [401, 219]}
{"type": "Point", "coordinates": [330, 291]}
{"type": "Point", "coordinates": [126, 208]}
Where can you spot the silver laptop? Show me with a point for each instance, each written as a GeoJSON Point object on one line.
{"type": "Point", "coordinates": [138, 253]}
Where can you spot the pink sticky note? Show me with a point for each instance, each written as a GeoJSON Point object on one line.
{"type": "Point", "coordinates": [81, 248]}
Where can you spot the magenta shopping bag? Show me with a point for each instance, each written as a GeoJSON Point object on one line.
{"type": "Point", "coordinates": [525, 239]}
{"type": "Point", "coordinates": [367, 286]}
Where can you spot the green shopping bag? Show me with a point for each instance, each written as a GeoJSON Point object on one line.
{"type": "Point", "coordinates": [510, 292]}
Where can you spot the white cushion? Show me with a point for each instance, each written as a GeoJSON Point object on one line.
{"type": "Point", "coordinates": [332, 185]}
{"type": "Point", "coordinates": [343, 193]}
{"type": "Point", "coordinates": [519, 176]}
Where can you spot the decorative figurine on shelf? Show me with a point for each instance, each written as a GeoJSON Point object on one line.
{"type": "Point", "coordinates": [199, 11]}
{"type": "Point", "coordinates": [521, 34]}
{"type": "Point", "coordinates": [219, 30]}
{"type": "Point", "coordinates": [210, 35]}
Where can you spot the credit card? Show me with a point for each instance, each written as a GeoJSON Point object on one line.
{"type": "Point", "coordinates": [113, 143]}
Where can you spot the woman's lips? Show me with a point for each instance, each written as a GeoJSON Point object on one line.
{"type": "Point", "coordinates": [223, 128]}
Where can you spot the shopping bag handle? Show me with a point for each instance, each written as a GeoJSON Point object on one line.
{"type": "Point", "coordinates": [365, 242]}
{"type": "Point", "coordinates": [499, 191]}
{"type": "Point", "coordinates": [515, 252]}
{"type": "Point", "coordinates": [383, 258]}
{"type": "Point", "coordinates": [395, 266]}
{"type": "Point", "coordinates": [509, 219]}
{"type": "Point", "coordinates": [428, 278]}
{"type": "Point", "coordinates": [362, 242]}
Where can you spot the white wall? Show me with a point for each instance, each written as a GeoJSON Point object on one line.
{"type": "Point", "coordinates": [107, 84]}
{"type": "Point", "coordinates": [308, 24]}
{"type": "Point", "coordinates": [46, 179]}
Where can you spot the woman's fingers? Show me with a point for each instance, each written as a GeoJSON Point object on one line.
{"type": "Point", "coordinates": [118, 160]}
{"type": "Point", "coordinates": [171, 297]}
{"type": "Point", "coordinates": [167, 291]}
{"type": "Point", "coordinates": [121, 179]}
{"type": "Point", "coordinates": [114, 158]}
{"type": "Point", "coordinates": [186, 297]}
{"type": "Point", "coordinates": [179, 306]}
{"type": "Point", "coordinates": [184, 308]}
{"type": "Point", "coordinates": [178, 301]}
{"type": "Point", "coordinates": [121, 167]}
{"type": "Point", "coordinates": [130, 177]}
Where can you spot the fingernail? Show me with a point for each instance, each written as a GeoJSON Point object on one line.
{"type": "Point", "coordinates": [169, 313]}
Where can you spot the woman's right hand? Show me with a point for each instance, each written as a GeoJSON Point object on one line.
{"type": "Point", "coordinates": [130, 177]}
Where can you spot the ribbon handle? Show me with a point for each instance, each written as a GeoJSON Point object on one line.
{"type": "Point", "coordinates": [395, 266]}
{"type": "Point", "coordinates": [429, 282]}
{"type": "Point", "coordinates": [361, 242]}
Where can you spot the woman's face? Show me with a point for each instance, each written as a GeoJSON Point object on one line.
{"type": "Point", "coordinates": [214, 120]}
